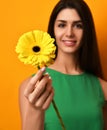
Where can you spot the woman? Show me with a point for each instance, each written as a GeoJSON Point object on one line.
{"type": "Point", "coordinates": [74, 80]}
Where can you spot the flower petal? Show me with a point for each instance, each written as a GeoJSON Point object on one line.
{"type": "Point", "coordinates": [39, 39]}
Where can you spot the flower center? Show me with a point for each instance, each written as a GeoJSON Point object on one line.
{"type": "Point", "coordinates": [36, 48]}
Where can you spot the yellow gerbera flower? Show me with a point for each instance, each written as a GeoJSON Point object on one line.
{"type": "Point", "coordinates": [36, 48]}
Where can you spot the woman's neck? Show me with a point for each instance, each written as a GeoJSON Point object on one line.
{"type": "Point", "coordinates": [66, 64]}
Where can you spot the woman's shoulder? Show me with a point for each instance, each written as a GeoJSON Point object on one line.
{"type": "Point", "coordinates": [23, 84]}
{"type": "Point", "coordinates": [104, 87]}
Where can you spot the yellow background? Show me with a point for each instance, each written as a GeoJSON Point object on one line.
{"type": "Point", "coordinates": [17, 17]}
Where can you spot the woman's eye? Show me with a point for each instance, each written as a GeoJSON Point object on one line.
{"type": "Point", "coordinates": [79, 26]}
{"type": "Point", "coordinates": [61, 25]}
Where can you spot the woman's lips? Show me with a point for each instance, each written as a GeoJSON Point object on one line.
{"type": "Point", "coordinates": [69, 42]}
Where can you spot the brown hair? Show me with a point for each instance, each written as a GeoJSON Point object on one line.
{"type": "Point", "coordinates": [88, 54]}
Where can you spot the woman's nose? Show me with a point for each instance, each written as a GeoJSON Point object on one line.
{"type": "Point", "coordinates": [69, 32]}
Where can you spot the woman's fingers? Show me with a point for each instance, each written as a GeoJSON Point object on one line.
{"type": "Point", "coordinates": [41, 100]}
{"type": "Point", "coordinates": [45, 99]}
{"type": "Point", "coordinates": [48, 101]}
{"type": "Point", "coordinates": [39, 89]}
{"type": "Point", "coordinates": [31, 85]}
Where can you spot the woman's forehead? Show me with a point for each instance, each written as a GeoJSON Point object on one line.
{"type": "Point", "coordinates": [68, 15]}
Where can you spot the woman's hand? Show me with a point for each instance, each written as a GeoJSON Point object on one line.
{"type": "Point", "coordinates": [39, 91]}
{"type": "Point", "coordinates": [35, 96]}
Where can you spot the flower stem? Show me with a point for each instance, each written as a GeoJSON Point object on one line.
{"type": "Point", "coordinates": [58, 114]}
{"type": "Point", "coordinates": [38, 67]}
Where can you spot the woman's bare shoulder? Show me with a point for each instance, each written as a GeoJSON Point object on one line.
{"type": "Point", "coordinates": [23, 84]}
{"type": "Point", "coordinates": [104, 87]}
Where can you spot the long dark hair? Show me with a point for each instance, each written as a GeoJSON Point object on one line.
{"type": "Point", "coordinates": [88, 54]}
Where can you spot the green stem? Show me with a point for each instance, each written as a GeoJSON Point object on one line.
{"type": "Point", "coordinates": [58, 114]}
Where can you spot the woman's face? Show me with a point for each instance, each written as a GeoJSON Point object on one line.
{"type": "Point", "coordinates": [68, 30]}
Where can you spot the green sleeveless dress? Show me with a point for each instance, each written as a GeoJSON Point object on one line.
{"type": "Point", "coordinates": [79, 99]}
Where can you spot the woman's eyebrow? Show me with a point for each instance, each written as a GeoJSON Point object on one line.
{"type": "Point", "coordinates": [77, 21]}
{"type": "Point", "coordinates": [63, 21]}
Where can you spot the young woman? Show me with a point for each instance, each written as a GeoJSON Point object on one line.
{"type": "Point", "coordinates": [74, 80]}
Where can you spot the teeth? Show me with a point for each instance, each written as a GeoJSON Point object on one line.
{"type": "Point", "coordinates": [69, 43]}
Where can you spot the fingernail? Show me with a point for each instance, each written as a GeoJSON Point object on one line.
{"type": "Point", "coordinates": [46, 73]}
{"type": "Point", "coordinates": [43, 69]}
{"type": "Point", "coordinates": [49, 77]}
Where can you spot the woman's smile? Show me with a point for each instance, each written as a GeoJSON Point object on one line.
{"type": "Point", "coordinates": [69, 43]}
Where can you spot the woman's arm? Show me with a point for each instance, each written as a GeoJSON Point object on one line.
{"type": "Point", "coordinates": [35, 96]}
{"type": "Point", "coordinates": [104, 87]}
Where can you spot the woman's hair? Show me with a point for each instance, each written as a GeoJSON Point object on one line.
{"type": "Point", "coordinates": [88, 55]}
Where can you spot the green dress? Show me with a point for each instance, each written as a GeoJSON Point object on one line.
{"type": "Point", "coordinates": [79, 99]}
